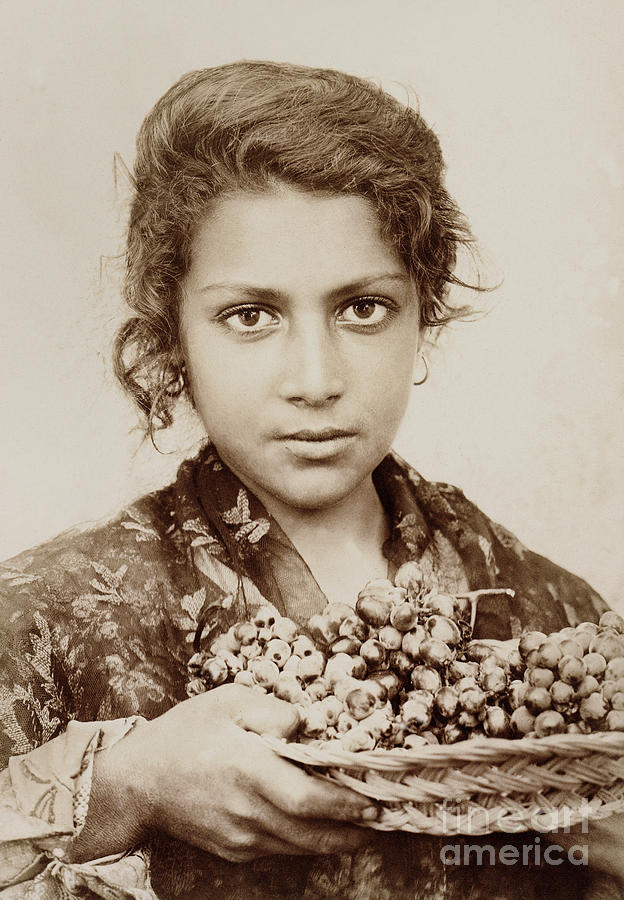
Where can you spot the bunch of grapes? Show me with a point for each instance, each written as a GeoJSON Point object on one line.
{"type": "Point", "coordinates": [400, 670]}
{"type": "Point", "coordinates": [572, 680]}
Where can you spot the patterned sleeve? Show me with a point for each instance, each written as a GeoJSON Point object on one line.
{"type": "Point", "coordinates": [46, 758]}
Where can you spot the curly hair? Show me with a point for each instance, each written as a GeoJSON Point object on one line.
{"type": "Point", "coordinates": [249, 125]}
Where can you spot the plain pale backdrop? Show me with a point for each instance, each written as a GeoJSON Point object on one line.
{"type": "Point", "coordinates": [523, 409]}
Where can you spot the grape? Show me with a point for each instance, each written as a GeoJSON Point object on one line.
{"type": "Point", "coordinates": [614, 669]}
{"type": "Point", "coordinates": [336, 613]}
{"type": "Point", "coordinates": [609, 688]}
{"type": "Point", "coordinates": [452, 733]}
{"type": "Point", "coordinates": [278, 651]}
{"type": "Point", "coordinates": [447, 701]}
{"type": "Point", "coordinates": [345, 645]}
{"type": "Point", "coordinates": [615, 720]}
{"type": "Point", "coordinates": [214, 672]}
{"type": "Point", "coordinates": [584, 637]}
{"type": "Point", "coordinates": [404, 616]}
{"type": "Point", "coordinates": [318, 689]}
{"type": "Point", "coordinates": [390, 637]}
{"type": "Point", "coordinates": [589, 685]}
{"type": "Point", "coordinates": [361, 702]}
{"type": "Point", "coordinates": [412, 640]}
{"type": "Point", "coordinates": [322, 630]}
{"type": "Point", "coordinates": [548, 654]}
{"type": "Point", "coordinates": [313, 721]}
{"type": "Point", "coordinates": [195, 686]}
{"type": "Point", "coordinates": [415, 715]}
{"type": "Point", "coordinates": [245, 633]}
{"type": "Point", "coordinates": [549, 722]}
{"type": "Point", "coordinates": [608, 643]}
{"type": "Point", "coordinates": [372, 610]}
{"type": "Point", "coordinates": [593, 709]}
{"type": "Point", "coordinates": [264, 671]}
{"type": "Point", "coordinates": [265, 617]}
{"type": "Point", "coordinates": [344, 685]}
{"type": "Point", "coordinates": [357, 739]}
{"type": "Point", "coordinates": [467, 719]}
{"type": "Point", "coordinates": [494, 681]}
{"type": "Point", "coordinates": [562, 695]}
{"type": "Point", "coordinates": [342, 664]}
{"type": "Point", "coordinates": [459, 669]}
{"type": "Point", "coordinates": [537, 699]}
{"type": "Point", "coordinates": [440, 604]}
{"type": "Point", "coordinates": [595, 664]}
{"type": "Point", "coordinates": [353, 627]}
{"type": "Point", "coordinates": [571, 647]}
{"type": "Point", "coordinates": [400, 671]}
{"type": "Point", "coordinates": [611, 619]}
{"type": "Point", "coordinates": [312, 666]}
{"type": "Point", "coordinates": [374, 653]}
{"type": "Point", "coordinates": [443, 629]}
{"type": "Point", "coordinates": [409, 576]}
{"type": "Point", "coordinates": [479, 652]}
{"type": "Point", "coordinates": [516, 692]}
{"type": "Point", "coordinates": [522, 721]}
{"type": "Point", "coordinates": [540, 677]}
{"type": "Point", "coordinates": [303, 646]}
{"type": "Point", "coordinates": [530, 640]}
{"type": "Point", "coordinates": [400, 662]}
{"type": "Point", "coordinates": [472, 700]}
{"type": "Point", "coordinates": [423, 697]}
{"type": "Point", "coordinates": [285, 629]}
{"type": "Point", "coordinates": [497, 723]}
{"type": "Point", "coordinates": [415, 742]}
{"type": "Point", "coordinates": [434, 652]}
{"type": "Point", "coordinates": [333, 708]}
{"type": "Point", "coordinates": [467, 684]}
{"type": "Point", "coordinates": [264, 636]}
{"type": "Point", "coordinates": [251, 650]}
{"type": "Point", "coordinates": [571, 669]}
{"type": "Point", "coordinates": [426, 678]}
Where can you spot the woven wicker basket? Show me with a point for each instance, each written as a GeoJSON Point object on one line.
{"type": "Point", "coordinates": [479, 786]}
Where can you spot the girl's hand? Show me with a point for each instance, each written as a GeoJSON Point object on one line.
{"type": "Point", "coordinates": [201, 774]}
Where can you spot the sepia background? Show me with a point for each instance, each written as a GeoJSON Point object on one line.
{"type": "Point", "coordinates": [523, 408]}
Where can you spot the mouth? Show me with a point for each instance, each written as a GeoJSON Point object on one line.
{"type": "Point", "coordinates": [319, 445]}
{"type": "Point", "coordinates": [323, 434]}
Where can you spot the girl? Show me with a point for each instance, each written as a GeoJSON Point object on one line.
{"type": "Point", "coordinates": [290, 249]}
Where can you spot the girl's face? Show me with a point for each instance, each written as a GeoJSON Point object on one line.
{"type": "Point", "coordinates": [299, 326]}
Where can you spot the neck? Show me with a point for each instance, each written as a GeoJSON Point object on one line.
{"type": "Point", "coordinates": [358, 520]}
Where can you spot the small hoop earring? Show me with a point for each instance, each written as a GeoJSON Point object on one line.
{"type": "Point", "coordinates": [426, 375]}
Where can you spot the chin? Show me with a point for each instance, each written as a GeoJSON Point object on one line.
{"type": "Point", "coordinates": [316, 491]}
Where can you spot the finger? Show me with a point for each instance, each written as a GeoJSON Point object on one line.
{"type": "Point", "coordinates": [316, 836]}
{"type": "Point", "coordinates": [297, 794]}
{"type": "Point", "coordinates": [260, 713]}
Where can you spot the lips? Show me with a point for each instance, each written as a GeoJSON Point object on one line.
{"type": "Point", "coordinates": [318, 435]}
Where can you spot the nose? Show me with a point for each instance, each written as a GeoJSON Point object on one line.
{"type": "Point", "coordinates": [313, 370]}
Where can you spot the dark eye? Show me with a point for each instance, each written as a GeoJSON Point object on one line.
{"type": "Point", "coordinates": [367, 311]}
{"type": "Point", "coordinates": [249, 319]}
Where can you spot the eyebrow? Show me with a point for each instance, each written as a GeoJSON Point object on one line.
{"type": "Point", "coordinates": [270, 294]}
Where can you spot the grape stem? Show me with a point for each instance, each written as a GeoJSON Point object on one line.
{"type": "Point", "coordinates": [473, 596]}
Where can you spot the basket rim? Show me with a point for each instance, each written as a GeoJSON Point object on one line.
{"type": "Point", "coordinates": [480, 749]}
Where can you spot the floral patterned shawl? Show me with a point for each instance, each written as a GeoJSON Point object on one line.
{"type": "Point", "coordinates": [97, 626]}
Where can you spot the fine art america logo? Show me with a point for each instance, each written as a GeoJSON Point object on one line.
{"type": "Point", "coordinates": [533, 852]}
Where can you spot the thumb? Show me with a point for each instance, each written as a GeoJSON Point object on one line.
{"type": "Point", "coordinates": [261, 713]}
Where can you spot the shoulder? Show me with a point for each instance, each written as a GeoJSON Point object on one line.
{"type": "Point", "coordinates": [141, 534]}
{"type": "Point", "coordinates": [547, 595]}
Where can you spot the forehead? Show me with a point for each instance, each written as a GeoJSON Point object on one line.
{"type": "Point", "coordinates": [289, 234]}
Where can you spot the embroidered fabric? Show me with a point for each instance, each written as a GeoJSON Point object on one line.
{"type": "Point", "coordinates": [97, 625]}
